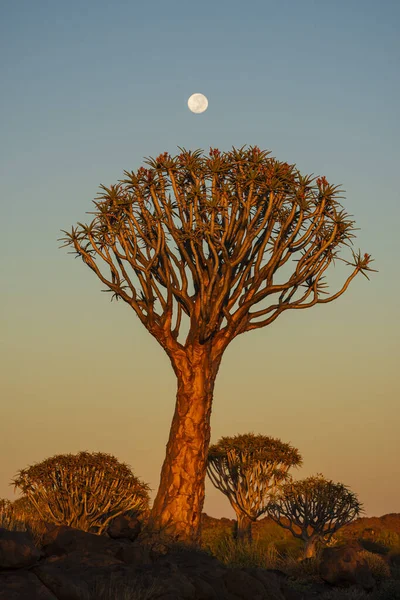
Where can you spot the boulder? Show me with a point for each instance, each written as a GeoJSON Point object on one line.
{"type": "Point", "coordinates": [63, 539]}
{"type": "Point", "coordinates": [204, 571]}
{"type": "Point", "coordinates": [166, 579]}
{"type": "Point", "coordinates": [134, 554]}
{"type": "Point", "coordinates": [17, 550]}
{"type": "Point", "coordinates": [21, 585]}
{"type": "Point", "coordinates": [273, 580]}
{"type": "Point", "coordinates": [393, 558]}
{"type": "Point", "coordinates": [343, 566]}
{"type": "Point", "coordinates": [73, 575]}
{"type": "Point", "coordinates": [194, 561]}
{"type": "Point", "coordinates": [123, 527]}
{"type": "Point", "coordinates": [244, 586]}
{"type": "Point", "coordinates": [203, 589]}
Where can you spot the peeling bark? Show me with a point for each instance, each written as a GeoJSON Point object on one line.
{"type": "Point", "coordinates": [179, 502]}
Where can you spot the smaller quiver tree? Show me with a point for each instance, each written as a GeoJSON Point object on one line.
{"type": "Point", "coordinates": [313, 509]}
{"type": "Point", "coordinates": [247, 469]}
{"type": "Point", "coordinates": [7, 517]}
{"type": "Point", "coordinates": [79, 490]}
{"type": "Point", "coordinates": [20, 515]}
{"type": "Point", "coordinates": [23, 511]}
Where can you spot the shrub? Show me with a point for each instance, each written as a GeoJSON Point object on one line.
{"type": "Point", "coordinates": [379, 567]}
{"type": "Point", "coordinates": [304, 571]}
{"type": "Point", "coordinates": [243, 553]}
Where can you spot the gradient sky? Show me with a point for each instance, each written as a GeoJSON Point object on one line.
{"type": "Point", "coordinates": [90, 88]}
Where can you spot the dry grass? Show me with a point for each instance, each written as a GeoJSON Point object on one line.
{"type": "Point", "coordinates": [260, 553]}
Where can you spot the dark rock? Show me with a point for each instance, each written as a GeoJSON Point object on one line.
{"type": "Point", "coordinates": [194, 562]}
{"type": "Point", "coordinates": [21, 585]}
{"type": "Point", "coordinates": [133, 554]}
{"type": "Point", "coordinates": [123, 527]}
{"type": "Point", "coordinates": [218, 585]}
{"type": "Point", "coordinates": [272, 580]}
{"type": "Point", "coordinates": [168, 597]}
{"type": "Point", "coordinates": [172, 580]}
{"type": "Point", "coordinates": [393, 558]}
{"type": "Point", "coordinates": [343, 566]}
{"type": "Point", "coordinates": [17, 550]}
{"type": "Point", "coordinates": [71, 576]}
{"type": "Point", "coordinates": [62, 540]}
{"type": "Point", "coordinates": [245, 586]}
{"type": "Point", "coordinates": [203, 589]}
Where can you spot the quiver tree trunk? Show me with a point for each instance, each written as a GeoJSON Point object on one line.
{"type": "Point", "coordinates": [179, 502]}
{"type": "Point", "coordinates": [242, 531]}
{"type": "Point", "coordinates": [311, 545]}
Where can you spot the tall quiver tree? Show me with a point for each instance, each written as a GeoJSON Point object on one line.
{"type": "Point", "coordinates": [248, 469]}
{"type": "Point", "coordinates": [200, 238]}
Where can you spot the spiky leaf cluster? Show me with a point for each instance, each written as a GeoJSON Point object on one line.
{"type": "Point", "coordinates": [314, 507]}
{"type": "Point", "coordinates": [248, 468]}
{"type": "Point", "coordinates": [78, 490]}
{"type": "Point", "coordinates": [205, 237]}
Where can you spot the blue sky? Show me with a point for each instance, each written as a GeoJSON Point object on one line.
{"type": "Point", "coordinates": [90, 88]}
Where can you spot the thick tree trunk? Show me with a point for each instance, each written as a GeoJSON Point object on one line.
{"type": "Point", "coordinates": [310, 548]}
{"type": "Point", "coordinates": [243, 528]}
{"type": "Point", "coordinates": [179, 502]}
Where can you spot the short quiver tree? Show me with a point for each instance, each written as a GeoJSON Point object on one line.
{"type": "Point", "coordinates": [20, 512]}
{"type": "Point", "coordinates": [313, 509]}
{"type": "Point", "coordinates": [7, 515]}
{"type": "Point", "coordinates": [209, 242]}
{"type": "Point", "coordinates": [85, 491]}
{"type": "Point", "coordinates": [248, 469]}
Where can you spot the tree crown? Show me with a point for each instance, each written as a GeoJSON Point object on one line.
{"type": "Point", "coordinates": [202, 237]}
{"type": "Point", "coordinates": [314, 505]}
{"type": "Point", "coordinates": [60, 486]}
{"type": "Point", "coordinates": [255, 449]}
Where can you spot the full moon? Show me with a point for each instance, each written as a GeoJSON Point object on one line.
{"type": "Point", "coordinates": [197, 103]}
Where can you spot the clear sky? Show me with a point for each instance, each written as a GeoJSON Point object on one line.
{"type": "Point", "coordinates": [90, 88]}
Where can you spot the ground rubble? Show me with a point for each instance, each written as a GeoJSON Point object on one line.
{"type": "Point", "coordinates": [75, 565]}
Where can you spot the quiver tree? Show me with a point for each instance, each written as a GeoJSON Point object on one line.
{"type": "Point", "coordinates": [248, 469]}
{"type": "Point", "coordinates": [20, 511]}
{"type": "Point", "coordinates": [199, 240]}
{"type": "Point", "coordinates": [85, 491]}
{"type": "Point", "coordinates": [314, 509]}
{"type": "Point", "coordinates": [8, 518]}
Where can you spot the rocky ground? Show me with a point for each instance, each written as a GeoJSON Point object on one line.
{"type": "Point", "coordinates": [70, 564]}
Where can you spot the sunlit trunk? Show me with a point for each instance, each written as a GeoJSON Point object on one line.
{"type": "Point", "coordinates": [310, 548]}
{"type": "Point", "coordinates": [243, 528]}
{"type": "Point", "coordinates": [179, 502]}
